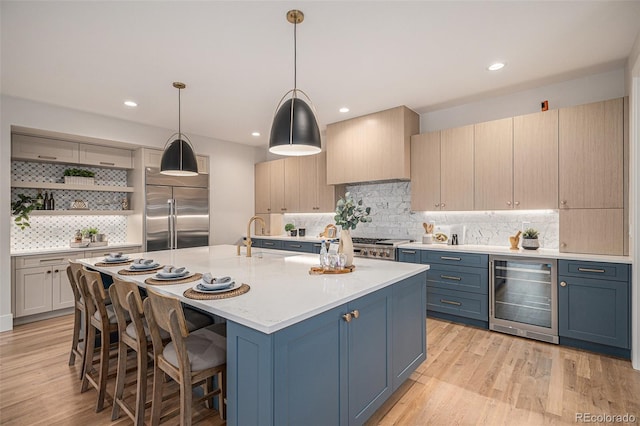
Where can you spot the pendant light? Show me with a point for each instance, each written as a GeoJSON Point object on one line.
{"type": "Point", "coordinates": [294, 130]}
{"type": "Point", "coordinates": [178, 158]}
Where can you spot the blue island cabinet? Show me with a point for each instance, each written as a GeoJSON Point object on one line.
{"type": "Point", "coordinates": [335, 368]}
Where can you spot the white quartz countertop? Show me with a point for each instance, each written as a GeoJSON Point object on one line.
{"type": "Point", "coordinates": [503, 250]}
{"type": "Point", "coordinates": [282, 291]}
{"type": "Point", "coordinates": [53, 250]}
{"type": "Point", "coordinates": [307, 238]}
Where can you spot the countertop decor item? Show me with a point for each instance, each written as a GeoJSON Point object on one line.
{"type": "Point", "coordinates": [178, 157]}
{"type": "Point", "coordinates": [78, 205]}
{"type": "Point", "coordinates": [514, 240]}
{"type": "Point", "coordinates": [530, 239]}
{"type": "Point", "coordinates": [21, 210]}
{"type": "Point", "coordinates": [295, 129]}
{"type": "Point", "coordinates": [348, 214]}
{"type": "Point", "coordinates": [289, 227]}
{"type": "Point", "coordinates": [79, 177]}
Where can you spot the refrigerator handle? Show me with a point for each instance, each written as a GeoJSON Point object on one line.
{"type": "Point", "coordinates": [170, 201]}
{"type": "Point", "coordinates": [175, 223]}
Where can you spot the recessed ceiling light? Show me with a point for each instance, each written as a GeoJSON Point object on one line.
{"type": "Point", "coordinates": [496, 66]}
{"type": "Point", "coordinates": [130, 104]}
{"type": "Point", "coordinates": [344, 109]}
{"type": "Point", "coordinates": [255, 134]}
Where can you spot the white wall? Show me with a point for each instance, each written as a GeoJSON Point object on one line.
{"type": "Point", "coordinates": [231, 170]}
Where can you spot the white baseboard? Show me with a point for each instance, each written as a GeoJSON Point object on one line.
{"type": "Point", "coordinates": [6, 322]}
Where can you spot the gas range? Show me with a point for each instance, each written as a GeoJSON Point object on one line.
{"type": "Point", "coordinates": [377, 248]}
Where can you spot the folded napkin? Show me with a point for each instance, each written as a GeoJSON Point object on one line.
{"type": "Point", "coordinates": [143, 261]}
{"type": "Point", "coordinates": [210, 279]}
{"type": "Point", "coordinates": [115, 255]}
{"type": "Point", "coordinates": [169, 269]}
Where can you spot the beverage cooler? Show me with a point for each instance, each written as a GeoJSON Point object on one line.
{"type": "Point", "coordinates": [523, 296]}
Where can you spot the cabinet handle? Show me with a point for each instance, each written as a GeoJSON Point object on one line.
{"type": "Point", "coordinates": [563, 202]}
{"type": "Point", "coordinates": [450, 277]}
{"type": "Point", "coordinates": [268, 210]}
{"type": "Point", "coordinates": [104, 163]}
{"type": "Point", "coordinates": [563, 245]}
{"type": "Point", "coordinates": [49, 271]}
{"type": "Point", "coordinates": [47, 157]}
{"type": "Point", "coordinates": [599, 271]}
{"type": "Point", "coordinates": [355, 313]}
{"type": "Point", "coordinates": [437, 205]}
{"type": "Point", "coordinates": [296, 246]}
{"type": "Point", "coordinates": [60, 259]}
{"type": "Point", "coordinates": [283, 209]}
{"type": "Point", "coordinates": [517, 203]}
{"type": "Point", "coordinates": [450, 302]}
{"type": "Point", "coordinates": [563, 283]}
{"type": "Point", "coordinates": [317, 245]}
{"type": "Point", "coordinates": [443, 205]}
{"type": "Point", "coordinates": [347, 317]}
{"type": "Point", "coordinates": [56, 271]}
{"type": "Point", "coordinates": [508, 203]}
{"type": "Point", "coordinates": [450, 258]}
{"type": "Point", "coordinates": [268, 244]}
{"type": "Point", "coordinates": [408, 251]}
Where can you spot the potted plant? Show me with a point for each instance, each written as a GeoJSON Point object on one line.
{"type": "Point", "coordinates": [21, 210]}
{"type": "Point", "coordinates": [530, 239]}
{"type": "Point", "coordinates": [90, 233]}
{"type": "Point", "coordinates": [79, 177]}
{"type": "Point", "coordinates": [290, 228]}
{"type": "Point", "coordinates": [348, 214]}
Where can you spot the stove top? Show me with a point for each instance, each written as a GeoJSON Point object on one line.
{"type": "Point", "coordinates": [379, 248]}
{"type": "Point", "coordinates": [380, 241]}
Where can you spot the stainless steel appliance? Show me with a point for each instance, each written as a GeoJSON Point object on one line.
{"type": "Point", "coordinates": [523, 294]}
{"type": "Point", "coordinates": [376, 248]}
{"type": "Point", "coordinates": [176, 211]}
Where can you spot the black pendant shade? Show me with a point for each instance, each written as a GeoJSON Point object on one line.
{"type": "Point", "coordinates": [178, 159]}
{"type": "Point", "coordinates": [294, 130]}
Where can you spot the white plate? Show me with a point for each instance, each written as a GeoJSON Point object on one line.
{"type": "Point", "coordinates": [219, 286]}
{"type": "Point", "coordinates": [121, 260]}
{"type": "Point", "coordinates": [222, 290]}
{"type": "Point", "coordinates": [175, 277]}
{"type": "Point", "coordinates": [143, 268]}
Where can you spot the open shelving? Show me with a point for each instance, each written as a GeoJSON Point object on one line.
{"type": "Point", "coordinates": [64, 186]}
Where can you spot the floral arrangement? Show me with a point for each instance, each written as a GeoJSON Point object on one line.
{"type": "Point", "coordinates": [349, 212]}
{"type": "Point", "coordinates": [530, 233]}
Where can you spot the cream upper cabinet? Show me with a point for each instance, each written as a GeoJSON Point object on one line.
{"type": "Point", "coordinates": [262, 181]}
{"type": "Point", "coordinates": [456, 173]}
{"type": "Point", "coordinates": [26, 147]}
{"type": "Point", "coordinates": [276, 185]}
{"type": "Point", "coordinates": [315, 195]}
{"type": "Point", "coordinates": [425, 171]}
{"type": "Point", "coordinates": [203, 164]}
{"type": "Point", "coordinates": [535, 161]}
{"type": "Point", "coordinates": [493, 165]}
{"type": "Point", "coordinates": [105, 156]}
{"type": "Point", "coordinates": [291, 184]}
{"type": "Point", "coordinates": [592, 231]}
{"type": "Point", "coordinates": [326, 193]}
{"type": "Point", "coordinates": [591, 146]}
{"type": "Point", "coordinates": [372, 147]}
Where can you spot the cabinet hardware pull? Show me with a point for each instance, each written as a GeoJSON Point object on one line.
{"type": "Point", "coordinates": [599, 271]}
{"type": "Point", "coordinates": [517, 203]}
{"type": "Point", "coordinates": [450, 302]}
{"type": "Point", "coordinates": [47, 157]}
{"type": "Point", "coordinates": [49, 271]}
{"type": "Point", "coordinates": [563, 245]}
{"type": "Point", "coordinates": [347, 317]}
{"type": "Point", "coordinates": [442, 204]}
{"type": "Point", "coordinates": [408, 251]}
{"type": "Point", "coordinates": [317, 245]}
{"type": "Point", "coordinates": [104, 163]}
{"type": "Point", "coordinates": [268, 210]}
{"type": "Point", "coordinates": [437, 205]}
{"type": "Point", "coordinates": [59, 259]}
{"type": "Point", "coordinates": [450, 258]}
{"type": "Point", "coordinates": [268, 244]}
{"type": "Point", "coordinates": [563, 283]}
{"type": "Point", "coordinates": [563, 202]}
{"type": "Point", "coordinates": [508, 203]}
{"type": "Point", "coordinates": [355, 313]}
{"type": "Point", "coordinates": [56, 271]}
{"type": "Point", "coordinates": [296, 246]}
{"type": "Point", "coordinates": [450, 277]}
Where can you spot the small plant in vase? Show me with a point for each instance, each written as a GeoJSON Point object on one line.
{"type": "Point", "coordinates": [289, 228]}
{"type": "Point", "coordinates": [348, 214]}
{"type": "Point", "coordinates": [530, 239]}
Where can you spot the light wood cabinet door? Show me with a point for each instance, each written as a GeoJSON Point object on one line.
{"type": "Point", "coordinates": [456, 162]}
{"type": "Point", "coordinates": [203, 164]}
{"type": "Point", "coordinates": [535, 161]}
{"type": "Point", "coordinates": [276, 188]}
{"type": "Point", "coordinates": [591, 155]}
{"type": "Point", "coordinates": [25, 147]}
{"type": "Point", "coordinates": [33, 290]}
{"type": "Point", "coordinates": [308, 183]}
{"type": "Point", "coordinates": [493, 165]}
{"type": "Point", "coordinates": [291, 184]}
{"type": "Point", "coordinates": [61, 293]}
{"type": "Point", "coordinates": [104, 156]}
{"type": "Point", "coordinates": [425, 172]}
{"type": "Point", "coordinates": [262, 188]}
{"type": "Point", "coordinates": [326, 193]}
{"type": "Point", "coordinates": [592, 231]}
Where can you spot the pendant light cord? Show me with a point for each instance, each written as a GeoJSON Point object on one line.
{"type": "Point", "coordinates": [295, 56]}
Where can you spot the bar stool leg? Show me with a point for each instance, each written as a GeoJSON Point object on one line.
{"type": "Point", "coordinates": [89, 348]}
{"type": "Point", "coordinates": [120, 380]}
{"type": "Point", "coordinates": [104, 369]}
{"type": "Point", "coordinates": [156, 404]}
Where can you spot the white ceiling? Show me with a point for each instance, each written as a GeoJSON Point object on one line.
{"type": "Point", "coordinates": [236, 57]}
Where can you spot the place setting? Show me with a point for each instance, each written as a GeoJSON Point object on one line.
{"type": "Point", "coordinates": [170, 274]}
{"type": "Point", "coordinates": [210, 287]}
{"type": "Point", "coordinates": [141, 267]}
{"type": "Point", "coordinates": [115, 259]}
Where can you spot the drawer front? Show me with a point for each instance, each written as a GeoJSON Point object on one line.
{"type": "Point", "coordinates": [105, 156]}
{"type": "Point", "coordinates": [47, 260]}
{"type": "Point", "coordinates": [316, 247]}
{"type": "Point", "coordinates": [475, 280]}
{"type": "Point", "coordinates": [255, 242]}
{"type": "Point", "coordinates": [305, 247]}
{"type": "Point", "coordinates": [454, 258]}
{"type": "Point", "coordinates": [272, 244]}
{"type": "Point", "coordinates": [409, 255]}
{"type": "Point", "coordinates": [610, 271]}
{"type": "Point", "coordinates": [460, 303]}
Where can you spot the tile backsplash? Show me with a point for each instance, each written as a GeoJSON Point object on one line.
{"type": "Point", "coordinates": [390, 204]}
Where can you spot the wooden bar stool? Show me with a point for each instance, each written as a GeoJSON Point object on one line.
{"type": "Point", "coordinates": [78, 342]}
{"type": "Point", "coordinates": [189, 358]}
{"type": "Point", "coordinates": [102, 318]}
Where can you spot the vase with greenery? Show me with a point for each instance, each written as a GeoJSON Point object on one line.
{"type": "Point", "coordinates": [79, 177]}
{"type": "Point", "coordinates": [349, 213]}
{"type": "Point", "coordinates": [90, 233]}
{"type": "Point", "coordinates": [530, 239]}
{"type": "Point", "coordinates": [21, 210]}
{"type": "Point", "coordinates": [289, 228]}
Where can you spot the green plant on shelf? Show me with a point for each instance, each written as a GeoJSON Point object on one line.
{"type": "Point", "coordinates": [88, 232]}
{"type": "Point", "coordinates": [79, 172]}
{"type": "Point", "coordinates": [21, 210]}
{"type": "Point", "coordinates": [530, 234]}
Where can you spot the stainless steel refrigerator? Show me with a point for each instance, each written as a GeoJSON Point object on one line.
{"type": "Point", "coordinates": [177, 211]}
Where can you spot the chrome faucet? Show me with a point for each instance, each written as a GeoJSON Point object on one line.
{"type": "Point", "coordinates": [247, 242]}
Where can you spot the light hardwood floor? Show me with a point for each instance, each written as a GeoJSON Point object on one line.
{"type": "Point", "coordinates": [471, 377]}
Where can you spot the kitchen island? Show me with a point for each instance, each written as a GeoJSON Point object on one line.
{"type": "Point", "coordinates": [308, 349]}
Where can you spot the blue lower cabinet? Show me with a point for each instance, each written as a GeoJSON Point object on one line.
{"type": "Point", "coordinates": [301, 246]}
{"type": "Point", "coordinates": [272, 244]}
{"type": "Point", "coordinates": [256, 242]}
{"type": "Point", "coordinates": [463, 278]}
{"type": "Point", "coordinates": [458, 303]}
{"type": "Point", "coordinates": [409, 255]}
{"type": "Point", "coordinates": [336, 368]}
